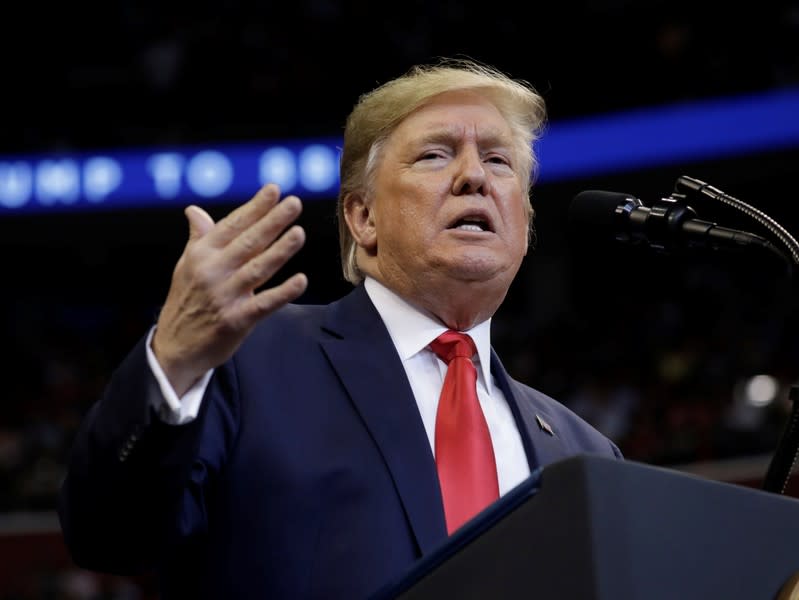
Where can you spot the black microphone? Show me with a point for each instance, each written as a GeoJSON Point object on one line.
{"type": "Point", "coordinates": [668, 224]}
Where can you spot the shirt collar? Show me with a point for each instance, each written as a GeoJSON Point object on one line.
{"type": "Point", "coordinates": [412, 329]}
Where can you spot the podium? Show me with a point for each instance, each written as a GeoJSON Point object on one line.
{"type": "Point", "coordinates": [594, 528]}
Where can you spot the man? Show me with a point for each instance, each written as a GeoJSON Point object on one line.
{"type": "Point", "coordinates": [248, 447]}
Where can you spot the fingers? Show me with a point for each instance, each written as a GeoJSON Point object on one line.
{"type": "Point", "coordinates": [259, 235]}
{"type": "Point", "coordinates": [252, 227]}
{"type": "Point", "coordinates": [200, 222]}
{"type": "Point", "coordinates": [269, 300]}
{"type": "Point", "coordinates": [263, 266]}
{"type": "Point", "coordinates": [245, 215]}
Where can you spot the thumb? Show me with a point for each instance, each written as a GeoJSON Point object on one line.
{"type": "Point", "coordinates": [200, 222]}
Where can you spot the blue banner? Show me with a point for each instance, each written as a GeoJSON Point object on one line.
{"type": "Point", "coordinates": [309, 168]}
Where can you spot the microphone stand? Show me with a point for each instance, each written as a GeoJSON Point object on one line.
{"type": "Point", "coordinates": [785, 456]}
{"type": "Point", "coordinates": [786, 453]}
{"type": "Point", "coordinates": [787, 450]}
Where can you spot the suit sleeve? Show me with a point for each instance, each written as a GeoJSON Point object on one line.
{"type": "Point", "coordinates": [135, 487]}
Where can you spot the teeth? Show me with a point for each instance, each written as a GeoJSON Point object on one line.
{"type": "Point", "coordinates": [470, 227]}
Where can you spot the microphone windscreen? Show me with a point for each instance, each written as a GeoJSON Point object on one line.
{"type": "Point", "coordinates": [593, 211]}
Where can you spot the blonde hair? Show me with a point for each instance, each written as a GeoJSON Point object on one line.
{"type": "Point", "coordinates": [379, 112]}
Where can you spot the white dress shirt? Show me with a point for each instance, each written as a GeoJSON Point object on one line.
{"type": "Point", "coordinates": [411, 331]}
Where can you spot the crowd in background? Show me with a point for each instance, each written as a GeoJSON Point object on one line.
{"type": "Point", "coordinates": [139, 73]}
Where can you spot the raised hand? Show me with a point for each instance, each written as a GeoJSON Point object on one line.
{"type": "Point", "coordinates": [212, 304]}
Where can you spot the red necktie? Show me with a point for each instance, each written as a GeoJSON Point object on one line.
{"type": "Point", "coordinates": [467, 471]}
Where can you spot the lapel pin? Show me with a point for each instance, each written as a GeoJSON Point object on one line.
{"type": "Point", "coordinates": [544, 425]}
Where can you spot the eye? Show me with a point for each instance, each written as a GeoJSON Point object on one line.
{"type": "Point", "coordinates": [498, 160]}
{"type": "Point", "coordinates": [431, 155]}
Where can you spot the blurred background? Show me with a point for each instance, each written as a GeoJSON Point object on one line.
{"type": "Point", "coordinates": [684, 359]}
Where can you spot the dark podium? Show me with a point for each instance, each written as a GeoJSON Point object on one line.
{"type": "Point", "coordinates": [593, 528]}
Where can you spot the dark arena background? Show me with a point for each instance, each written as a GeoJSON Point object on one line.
{"type": "Point", "coordinates": [116, 115]}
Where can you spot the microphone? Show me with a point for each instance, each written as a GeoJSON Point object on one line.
{"type": "Point", "coordinates": [667, 225]}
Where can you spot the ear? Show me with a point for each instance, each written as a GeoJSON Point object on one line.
{"type": "Point", "coordinates": [360, 221]}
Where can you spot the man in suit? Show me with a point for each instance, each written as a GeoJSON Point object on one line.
{"type": "Point", "coordinates": [251, 447]}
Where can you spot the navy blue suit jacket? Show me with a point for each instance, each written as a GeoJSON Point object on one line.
{"type": "Point", "coordinates": [307, 474]}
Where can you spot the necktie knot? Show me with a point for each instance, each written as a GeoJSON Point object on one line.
{"type": "Point", "coordinates": [452, 344]}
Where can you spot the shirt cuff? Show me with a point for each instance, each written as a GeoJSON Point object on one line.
{"type": "Point", "coordinates": [170, 408]}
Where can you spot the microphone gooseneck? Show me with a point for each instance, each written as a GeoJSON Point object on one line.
{"type": "Point", "coordinates": [685, 184]}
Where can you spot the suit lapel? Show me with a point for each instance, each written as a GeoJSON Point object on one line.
{"type": "Point", "coordinates": [540, 437]}
{"type": "Point", "coordinates": [368, 365]}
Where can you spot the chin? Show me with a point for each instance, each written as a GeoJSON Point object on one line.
{"type": "Point", "coordinates": [478, 268]}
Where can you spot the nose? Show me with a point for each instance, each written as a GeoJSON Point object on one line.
{"type": "Point", "coordinates": [470, 176]}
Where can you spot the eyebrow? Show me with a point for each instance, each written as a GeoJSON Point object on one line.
{"type": "Point", "coordinates": [447, 134]}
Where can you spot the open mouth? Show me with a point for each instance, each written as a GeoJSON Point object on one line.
{"type": "Point", "coordinates": [472, 223]}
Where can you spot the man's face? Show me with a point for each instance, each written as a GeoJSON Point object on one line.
{"type": "Point", "coordinates": [448, 199]}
